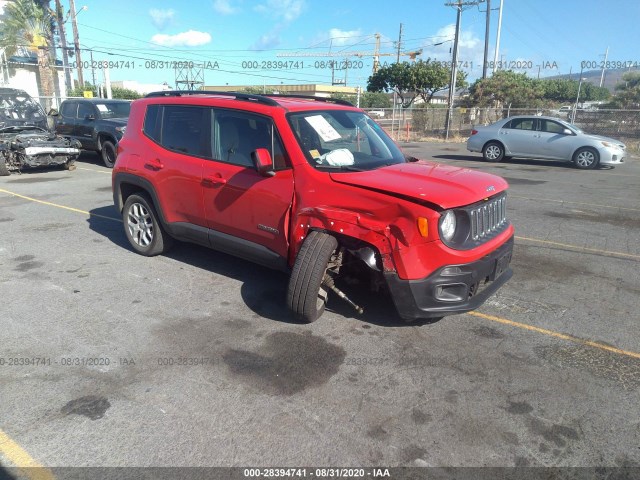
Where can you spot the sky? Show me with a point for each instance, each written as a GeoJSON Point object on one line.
{"type": "Point", "coordinates": [244, 42]}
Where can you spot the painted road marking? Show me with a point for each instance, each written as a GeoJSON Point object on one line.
{"type": "Point", "coordinates": [77, 210]}
{"type": "Point", "coordinates": [580, 249]}
{"type": "Point", "coordinates": [19, 457]}
{"type": "Point", "coordinates": [574, 203]}
{"type": "Point", "coordinates": [93, 170]}
{"type": "Point", "coordinates": [563, 336]}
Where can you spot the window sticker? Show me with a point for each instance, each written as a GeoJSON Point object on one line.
{"type": "Point", "coordinates": [102, 108]}
{"type": "Point", "coordinates": [324, 128]}
{"type": "Point", "coordinates": [314, 153]}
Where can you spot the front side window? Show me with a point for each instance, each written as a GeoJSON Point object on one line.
{"type": "Point", "coordinates": [551, 126]}
{"type": "Point", "coordinates": [342, 139]}
{"type": "Point", "coordinates": [237, 134]}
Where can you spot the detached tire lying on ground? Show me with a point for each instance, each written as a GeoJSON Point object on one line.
{"type": "Point", "coordinates": [306, 296]}
{"type": "Point", "coordinates": [142, 226]}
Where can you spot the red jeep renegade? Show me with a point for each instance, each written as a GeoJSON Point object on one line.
{"type": "Point", "coordinates": [315, 187]}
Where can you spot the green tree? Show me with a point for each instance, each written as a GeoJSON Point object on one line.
{"type": "Point", "coordinates": [27, 24]}
{"type": "Point", "coordinates": [421, 79]}
{"type": "Point", "coordinates": [116, 92]}
{"type": "Point", "coordinates": [506, 87]}
{"type": "Point", "coordinates": [367, 99]}
{"type": "Point", "coordinates": [627, 92]}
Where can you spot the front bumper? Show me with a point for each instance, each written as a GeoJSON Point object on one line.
{"type": "Point", "coordinates": [452, 289]}
{"type": "Point", "coordinates": [611, 156]}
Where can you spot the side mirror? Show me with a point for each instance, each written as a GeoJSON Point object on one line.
{"type": "Point", "coordinates": [566, 131]}
{"type": "Point", "coordinates": [262, 162]}
{"type": "Point", "coordinates": [411, 159]}
{"type": "Point", "coordinates": [89, 117]}
{"type": "Point", "coordinates": [53, 113]}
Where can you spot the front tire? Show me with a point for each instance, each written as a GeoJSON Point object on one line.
{"type": "Point", "coordinates": [586, 158]}
{"type": "Point", "coordinates": [142, 226]}
{"type": "Point", "coordinates": [493, 152]}
{"type": "Point", "coordinates": [306, 296]}
{"type": "Point", "coordinates": [109, 154]}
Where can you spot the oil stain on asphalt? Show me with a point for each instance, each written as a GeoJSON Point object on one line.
{"type": "Point", "coordinates": [613, 219]}
{"type": "Point", "coordinates": [91, 406]}
{"type": "Point", "coordinates": [287, 363]}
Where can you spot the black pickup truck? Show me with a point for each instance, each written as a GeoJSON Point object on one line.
{"type": "Point", "coordinates": [97, 123]}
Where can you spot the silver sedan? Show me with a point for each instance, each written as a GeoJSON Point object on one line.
{"type": "Point", "coordinates": [547, 138]}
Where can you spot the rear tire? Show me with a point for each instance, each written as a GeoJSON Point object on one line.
{"type": "Point", "coordinates": [4, 171]}
{"type": "Point", "coordinates": [143, 228]}
{"type": "Point", "coordinates": [586, 158]}
{"type": "Point", "coordinates": [493, 152]}
{"type": "Point", "coordinates": [306, 297]}
{"type": "Point", "coordinates": [109, 154]}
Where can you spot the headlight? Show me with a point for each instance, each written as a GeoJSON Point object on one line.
{"type": "Point", "coordinates": [448, 225]}
{"type": "Point", "coordinates": [121, 129]}
{"type": "Point", "coordinates": [606, 144]}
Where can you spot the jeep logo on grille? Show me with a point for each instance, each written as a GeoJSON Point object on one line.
{"type": "Point", "coordinates": [490, 188]}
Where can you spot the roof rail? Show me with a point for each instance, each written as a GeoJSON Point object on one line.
{"type": "Point", "coordinates": [310, 97]}
{"type": "Point", "coordinates": [238, 95]}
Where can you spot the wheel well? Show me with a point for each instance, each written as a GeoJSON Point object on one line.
{"type": "Point", "coordinates": [494, 141]}
{"type": "Point", "coordinates": [128, 189]}
{"type": "Point", "coordinates": [585, 147]}
{"type": "Point", "coordinates": [102, 137]}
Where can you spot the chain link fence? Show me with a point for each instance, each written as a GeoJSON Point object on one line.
{"type": "Point", "coordinates": [416, 124]}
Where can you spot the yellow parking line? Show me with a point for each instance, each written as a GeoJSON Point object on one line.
{"type": "Point", "coordinates": [562, 336]}
{"type": "Point", "coordinates": [19, 457]}
{"type": "Point", "coordinates": [77, 210]}
{"type": "Point", "coordinates": [575, 203]}
{"type": "Point", "coordinates": [578, 248]}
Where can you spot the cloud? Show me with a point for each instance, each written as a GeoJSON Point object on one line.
{"type": "Point", "coordinates": [161, 18]}
{"type": "Point", "coordinates": [286, 10]}
{"type": "Point", "coordinates": [225, 7]}
{"type": "Point", "coordinates": [338, 37]}
{"type": "Point", "coordinates": [470, 48]}
{"type": "Point", "coordinates": [191, 38]}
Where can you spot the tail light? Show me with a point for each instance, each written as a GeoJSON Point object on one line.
{"type": "Point", "coordinates": [473, 132]}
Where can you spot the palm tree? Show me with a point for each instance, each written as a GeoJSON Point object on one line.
{"type": "Point", "coordinates": [25, 24]}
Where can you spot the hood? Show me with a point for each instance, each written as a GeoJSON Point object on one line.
{"type": "Point", "coordinates": [443, 185]}
{"type": "Point", "coordinates": [605, 139]}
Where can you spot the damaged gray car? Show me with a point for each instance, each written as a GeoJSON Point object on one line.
{"type": "Point", "coordinates": [25, 141]}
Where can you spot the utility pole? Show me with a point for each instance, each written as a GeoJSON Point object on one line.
{"type": "Point", "coordinates": [459, 5]}
{"type": "Point", "coordinates": [395, 96]}
{"type": "Point", "coordinates": [604, 65]}
{"type": "Point", "coordinates": [486, 40]}
{"type": "Point", "coordinates": [495, 56]}
{"type": "Point", "coordinates": [63, 42]}
{"type": "Point", "coordinates": [76, 42]}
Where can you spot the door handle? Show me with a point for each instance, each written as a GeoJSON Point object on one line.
{"type": "Point", "coordinates": [154, 164]}
{"type": "Point", "coordinates": [214, 180]}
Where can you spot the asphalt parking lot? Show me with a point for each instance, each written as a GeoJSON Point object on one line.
{"type": "Point", "coordinates": [191, 359]}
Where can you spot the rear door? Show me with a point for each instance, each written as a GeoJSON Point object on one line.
{"type": "Point", "coordinates": [177, 143]}
{"type": "Point", "coordinates": [520, 137]}
{"type": "Point", "coordinates": [66, 121]}
{"type": "Point", "coordinates": [245, 210]}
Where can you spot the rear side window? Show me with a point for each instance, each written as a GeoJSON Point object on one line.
{"type": "Point", "coordinates": [523, 124]}
{"type": "Point", "coordinates": [69, 109]}
{"type": "Point", "coordinates": [153, 122]}
{"type": "Point", "coordinates": [185, 129]}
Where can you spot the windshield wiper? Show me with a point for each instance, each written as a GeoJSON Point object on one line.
{"type": "Point", "coordinates": [344, 168]}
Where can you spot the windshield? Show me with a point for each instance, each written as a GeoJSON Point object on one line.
{"type": "Point", "coordinates": [20, 106]}
{"type": "Point", "coordinates": [343, 140]}
{"type": "Point", "coordinates": [114, 109]}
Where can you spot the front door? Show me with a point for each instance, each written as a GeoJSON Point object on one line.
{"type": "Point", "coordinates": [242, 206]}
